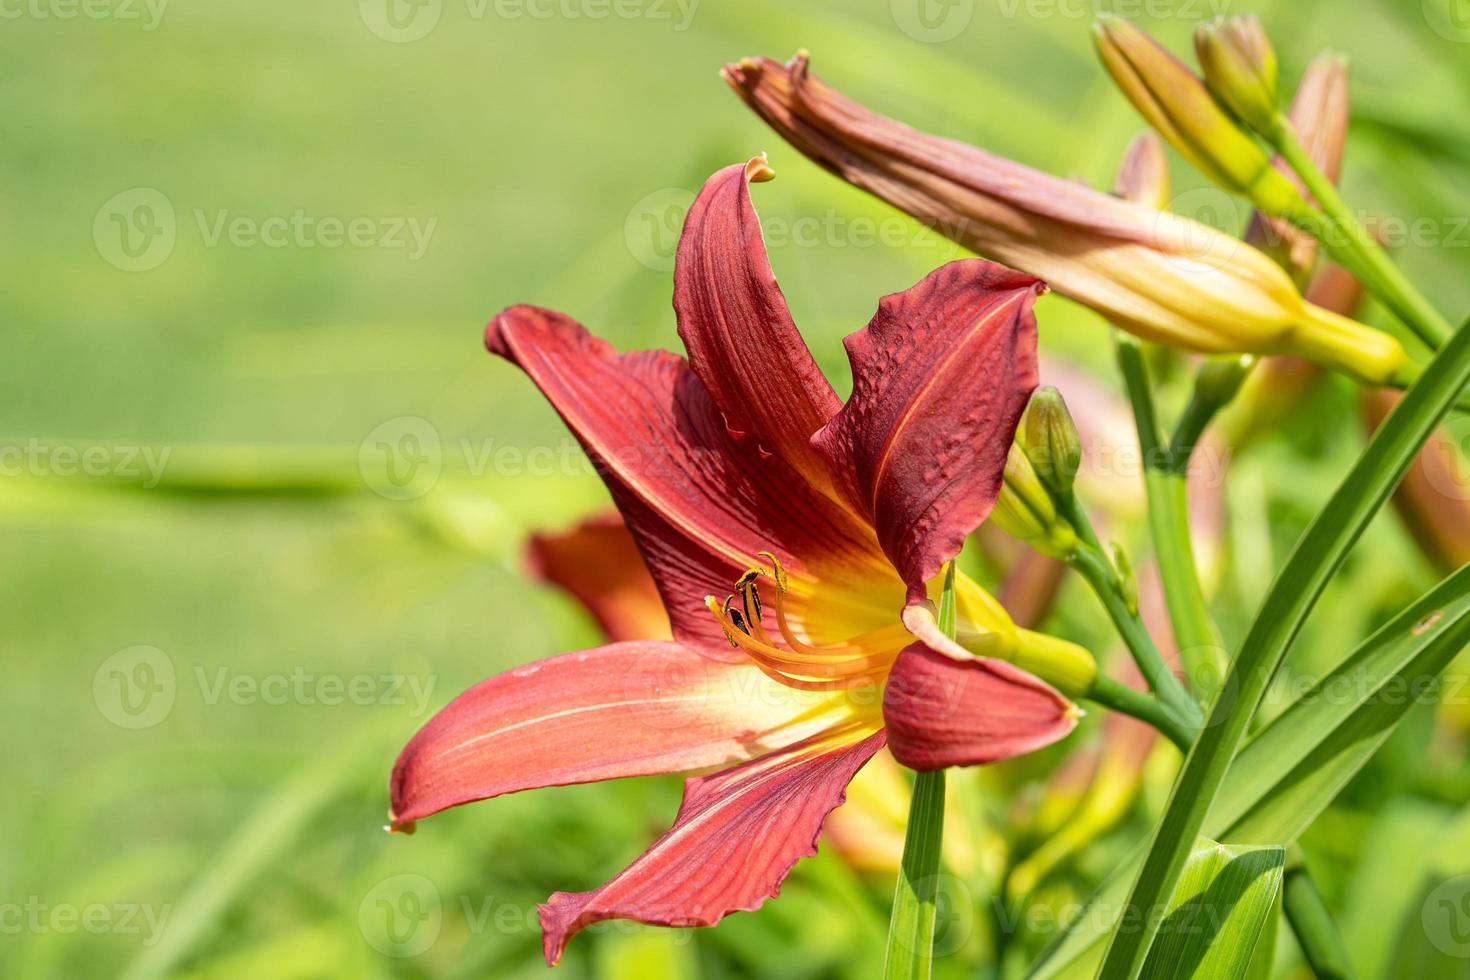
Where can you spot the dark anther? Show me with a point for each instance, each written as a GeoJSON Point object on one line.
{"type": "Point", "coordinates": [739, 621]}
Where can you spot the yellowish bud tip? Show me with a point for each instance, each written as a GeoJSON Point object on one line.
{"type": "Point", "coordinates": [1240, 70]}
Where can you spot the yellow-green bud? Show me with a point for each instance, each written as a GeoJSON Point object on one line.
{"type": "Point", "coordinates": [1219, 378]}
{"type": "Point", "coordinates": [1049, 437]}
{"type": "Point", "coordinates": [1176, 103]}
{"type": "Point", "coordinates": [1025, 510]}
{"type": "Point", "coordinates": [1240, 69]}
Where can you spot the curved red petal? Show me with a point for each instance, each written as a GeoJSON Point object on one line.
{"type": "Point", "coordinates": [940, 377]}
{"type": "Point", "coordinates": [627, 709]}
{"type": "Point", "coordinates": [734, 322]}
{"type": "Point", "coordinates": [943, 712]}
{"type": "Point", "coordinates": [598, 564]}
{"type": "Point", "coordinates": [736, 837]}
{"type": "Point", "coordinates": [700, 504]}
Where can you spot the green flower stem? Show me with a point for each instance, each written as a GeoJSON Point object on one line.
{"type": "Point", "coordinates": [1354, 247]}
{"type": "Point", "coordinates": [1216, 383]}
{"type": "Point", "coordinates": [1165, 481]}
{"type": "Point", "coordinates": [1315, 931]}
{"type": "Point", "coordinates": [1146, 708]}
{"type": "Point", "coordinates": [1089, 560]}
{"type": "Point", "coordinates": [911, 926]}
{"type": "Point", "coordinates": [1318, 555]}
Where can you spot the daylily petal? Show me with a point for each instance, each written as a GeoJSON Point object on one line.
{"type": "Point", "coordinates": [598, 564]}
{"type": "Point", "coordinates": [626, 709]}
{"type": "Point", "coordinates": [940, 377]}
{"type": "Point", "coordinates": [737, 836]}
{"type": "Point", "coordinates": [700, 504]}
{"type": "Point", "coordinates": [941, 712]}
{"type": "Point", "coordinates": [734, 322]}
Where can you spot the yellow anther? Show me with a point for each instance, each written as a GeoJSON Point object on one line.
{"type": "Point", "coordinates": [777, 572]}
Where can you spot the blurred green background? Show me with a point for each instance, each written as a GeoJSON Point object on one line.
{"type": "Point", "coordinates": [224, 608]}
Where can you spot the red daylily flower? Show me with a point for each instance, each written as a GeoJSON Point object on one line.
{"type": "Point", "coordinates": [792, 539]}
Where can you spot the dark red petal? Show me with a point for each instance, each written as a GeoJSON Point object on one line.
{"type": "Point", "coordinates": [700, 504]}
{"type": "Point", "coordinates": [942, 712]}
{"type": "Point", "coordinates": [737, 836]}
{"type": "Point", "coordinates": [598, 564]}
{"type": "Point", "coordinates": [627, 709]}
{"type": "Point", "coordinates": [940, 377]}
{"type": "Point", "coordinates": [741, 340]}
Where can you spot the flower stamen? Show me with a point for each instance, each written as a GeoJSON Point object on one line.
{"type": "Point", "coordinates": [864, 659]}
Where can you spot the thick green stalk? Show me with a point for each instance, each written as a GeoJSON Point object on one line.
{"type": "Point", "coordinates": [911, 927]}
{"type": "Point", "coordinates": [1315, 931]}
{"type": "Point", "coordinates": [1317, 557]}
{"type": "Point", "coordinates": [1145, 707]}
{"type": "Point", "coordinates": [1355, 248]}
{"type": "Point", "coordinates": [1165, 482]}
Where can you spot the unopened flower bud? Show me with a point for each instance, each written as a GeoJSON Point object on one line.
{"type": "Point", "coordinates": [1240, 69]}
{"type": "Point", "coordinates": [1050, 439]}
{"type": "Point", "coordinates": [1176, 103]}
{"type": "Point", "coordinates": [1026, 512]}
{"type": "Point", "coordinates": [1319, 115]}
{"type": "Point", "coordinates": [1156, 274]}
{"type": "Point", "coordinates": [1219, 378]}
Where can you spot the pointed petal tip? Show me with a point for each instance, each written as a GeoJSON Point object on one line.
{"type": "Point", "coordinates": [495, 341]}
{"type": "Point", "coordinates": [754, 821]}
